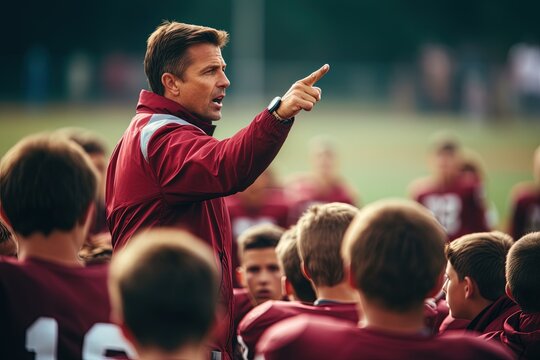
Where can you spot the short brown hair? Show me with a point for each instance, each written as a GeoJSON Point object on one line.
{"type": "Point", "coordinates": [523, 272]}
{"type": "Point", "coordinates": [167, 46]}
{"type": "Point", "coordinates": [260, 236]}
{"type": "Point", "coordinates": [165, 286]}
{"type": "Point", "coordinates": [395, 249]}
{"type": "Point", "coordinates": [290, 262]}
{"type": "Point", "coordinates": [320, 233]}
{"type": "Point", "coordinates": [482, 257]}
{"type": "Point", "coordinates": [46, 183]}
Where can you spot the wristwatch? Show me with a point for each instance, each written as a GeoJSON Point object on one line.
{"type": "Point", "coordinates": [274, 105]}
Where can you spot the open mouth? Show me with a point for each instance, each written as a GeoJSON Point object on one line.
{"type": "Point", "coordinates": [218, 100]}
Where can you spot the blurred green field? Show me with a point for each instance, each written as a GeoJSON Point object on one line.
{"type": "Point", "coordinates": [380, 151]}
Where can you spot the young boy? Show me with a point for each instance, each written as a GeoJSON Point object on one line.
{"type": "Point", "coordinates": [475, 280]}
{"type": "Point", "coordinates": [320, 233]}
{"type": "Point", "coordinates": [394, 254]}
{"type": "Point", "coordinates": [457, 202]}
{"type": "Point", "coordinates": [521, 331]}
{"type": "Point", "coordinates": [51, 306]}
{"type": "Point", "coordinates": [164, 291]}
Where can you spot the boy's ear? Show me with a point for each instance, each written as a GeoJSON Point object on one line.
{"type": "Point", "coordinates": [240, 276]}
{"type": "Point", "coordinates": [509, 292]}
{"type": "Point", "coordinates": [305, 271]}
{"type": "Point", "coordinates": [470, 287]}
{"type": "Point", "coordinates": [347, 272]}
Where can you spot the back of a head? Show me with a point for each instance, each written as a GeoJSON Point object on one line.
{"type": "Point", "coordinates": [91, 142]}
{"type": "Point", "coordinates": [167, 47]}
{"type": "Point", "coordinates": [523, 272]}
{"type": "Point", "coordinates": [320, 234]}
{"type": "Point", "coordinates": [46, 183]}
{"type": "Point", "coordinates": [395, 249]}
{"type": "Point", "coordinates": [164, 287]}
{"type": "Point", "coordinates": [482, 257]}
{"type": "Point", "coordinates": [290, 262]}
{"type": "Point", "coordinates": [260, 236]}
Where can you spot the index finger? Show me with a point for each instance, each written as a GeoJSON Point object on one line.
{"type": "Point", "coordinates": [315, 76]}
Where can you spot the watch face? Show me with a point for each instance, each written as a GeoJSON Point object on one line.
{"type": "Point", "coordinates": [274, 104]}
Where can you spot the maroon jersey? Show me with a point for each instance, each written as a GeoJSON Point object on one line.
{"type": "Point", "coordinates": [490, 319]}
{"type": "Point", "coordinates": [273, 209]}
{"type": "Point", "coordinates": [271, 312]}
{"type": "Point", "coordinates": [521, 334]}
{"type": "Point", "coordinates": [308, 337]}
{"type": "Point", "coordinates": [459, 207]}
{"type": "Point", "coordinates": [52, 311]}
{"type": "Point", "coordinates": [525, 216]}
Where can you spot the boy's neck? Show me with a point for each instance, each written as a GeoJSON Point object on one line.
{"type": "Point", "coordinates": [340, 293]}
{"type": "Point", "coordinates": [59, 246]}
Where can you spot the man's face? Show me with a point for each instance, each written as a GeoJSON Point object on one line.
{"type": "Point", "coordinates": [455, 293]}
{"type": "Point", "coordinates": [261, 274]}
{"type": "Point", "coordinates": [202, 86]}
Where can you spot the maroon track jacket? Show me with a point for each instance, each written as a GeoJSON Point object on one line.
{"type": "Point", "coordinates": [168, 170]}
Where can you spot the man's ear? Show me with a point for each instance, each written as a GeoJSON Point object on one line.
{"type": "Point", "coordinates": [471, 288]}
{"type": "Point", "coordinates": [170, 84]}
{"type": "Point", "coordinates": [240, 276]}
{"type": "Point", "coordinates": [349, 275]}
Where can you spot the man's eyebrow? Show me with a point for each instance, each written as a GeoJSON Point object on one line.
{"type": "Point", "coordinates": [213, 66]}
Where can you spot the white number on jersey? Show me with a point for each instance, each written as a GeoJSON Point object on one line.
{"type": "Point", "coordinates": [42, 339]}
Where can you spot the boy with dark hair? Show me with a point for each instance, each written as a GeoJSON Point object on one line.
{"type": "Point", "coordinates": [476, 281]}
{"type": "Point", "coordinates": [320, 233]}
{"type": "Point", "coordinates": [394, 255]}
{"type": "Point", "coordinates": [50, 304]}
{"type": "Point", "coordinates": [259, 269]}
{"type": "Point", "coordinates": [521, 331]}
{"type": "Point", "coordinates": [164, 291]}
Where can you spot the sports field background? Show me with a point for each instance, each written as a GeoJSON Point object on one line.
{"type": "Point", "coordinates": [380, 151]}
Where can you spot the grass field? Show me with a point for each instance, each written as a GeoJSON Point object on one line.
{"type": "Point", "coordinates": [381, 151]}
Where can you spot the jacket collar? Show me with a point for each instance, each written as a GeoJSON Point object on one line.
{"type": "Point", "coordinates": [150, 102]}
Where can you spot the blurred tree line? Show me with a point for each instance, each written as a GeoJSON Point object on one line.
{"type": "Point", "coordinates": [381, 31]}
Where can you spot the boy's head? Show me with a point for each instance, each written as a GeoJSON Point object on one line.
{"type": "Point", "coordinates": [445, 155]}
{"type": "Point", "coordinates": [164, 290]}
{"type": "Point", "coordinates": [296, 286]}
{"type": "Point", "coordinates": [523, 272]}
{"type": "Point", "coordinates": [259, 268]}
{"type": "Point", "coordinates": [395, 253]}
{"type": "Point", "coordinates": [475, 272]}
{"type": "Point", "coordinates": [320, 234]}
{"type": "Point", "coordinates": [47, 183]}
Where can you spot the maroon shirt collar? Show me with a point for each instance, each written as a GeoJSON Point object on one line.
{"type": "Point", "coordinates": [150, 102]}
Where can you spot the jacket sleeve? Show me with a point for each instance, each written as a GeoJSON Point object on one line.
{"type": "Point", "coordinates": [192, 166]}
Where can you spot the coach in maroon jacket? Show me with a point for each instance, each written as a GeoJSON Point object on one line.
{"type": "Point", "coordinates": [167, 169]}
